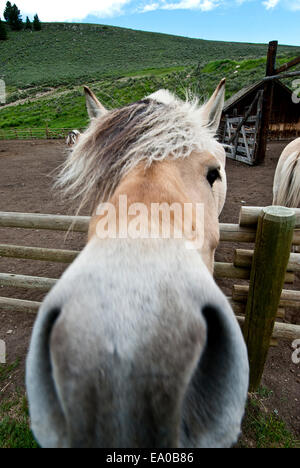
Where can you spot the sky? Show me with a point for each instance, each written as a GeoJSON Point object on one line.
{"type": "Point", "coordinates": [257, 21]}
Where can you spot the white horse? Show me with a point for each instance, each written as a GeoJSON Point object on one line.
{"type": "Point", "coordinates": [93, 107]}
{"type": "Point", "coordinates": [136, 345]}
{"type": "Point", "coordinates": [286, 188]}
{"type": "Point", "coordinates": [72, 137]}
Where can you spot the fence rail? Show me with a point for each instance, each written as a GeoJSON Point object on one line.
{"type": "Point", "coordinates": [44, 221]}
{"type": "Point", "coordinates": [34, 133]}
{"type": "Point", "coordinates": [249, 215]}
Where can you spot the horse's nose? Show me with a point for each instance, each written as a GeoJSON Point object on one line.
{"type": "Point", "coordinates": [46, 411]}
{"type": "Point", "coordinates": [128, 361]}
{"type": "Point", "coordinates": [85, 394]}
{"type": "Point", "coordinates": [102, 385]}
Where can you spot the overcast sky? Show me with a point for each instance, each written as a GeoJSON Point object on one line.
{"type": "Point", "coordinates": [236, 20]}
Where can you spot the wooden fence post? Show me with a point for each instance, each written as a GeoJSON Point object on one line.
{"type": "Point", "coordinates": [272, 251]}
{"type": "Point", "coordinates": [267, 103]}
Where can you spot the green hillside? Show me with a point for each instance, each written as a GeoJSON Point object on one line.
{"type": "Point", "coordinates": [44, 71]}
{"type": "Point", "coordinates": [67, 53]}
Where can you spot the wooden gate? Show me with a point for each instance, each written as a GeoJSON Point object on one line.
{"type": "Point", "coordinates": [241, 134]}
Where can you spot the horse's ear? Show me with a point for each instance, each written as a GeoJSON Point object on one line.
{"type": "Point", "coordinates": [94, 107]}
{"type": "Point", "coordinates": [212, 110]}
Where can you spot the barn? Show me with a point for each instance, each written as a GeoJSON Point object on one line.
{"type": "Point", "coordinates": [266, 109]}
{"type": "Point", "coordinates": [285, 113]}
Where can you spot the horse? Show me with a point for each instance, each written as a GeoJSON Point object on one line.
{"type": "Point", "coordinates": [136, 346]}
{"type": "Point", "coordinates": [72, 137]}
{"type": "Point", "coordinates": [286, 187]}
{"type": "Point", "coordinates": [92, 110]}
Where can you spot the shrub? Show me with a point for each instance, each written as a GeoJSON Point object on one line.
{"type": "Point", "coordinates": [3, 32]}
{"type": "Point", "coordinates": [28, 25]}
{"type": "Point", "coordinates": [37, 25]}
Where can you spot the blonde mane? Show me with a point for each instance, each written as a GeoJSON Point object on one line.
{"type": "Point", "coordinates": [158, 127]}
{"type": "Point", "coordinates": [289, 189]}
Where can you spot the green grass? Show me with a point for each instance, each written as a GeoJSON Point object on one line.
{"type": "Point", "coordinates": [14, 415]}
{"type": "Point", "coordinates": [120, 65]}
{"type": "Point", "coordinates": [264, 392]}
{"type": "Point", "coordinates": [65, 106]}
{"type": "Point", "coordinates": [7, 369]}
{"type": "Point", "coordinates": [271, 432]}
{"type": "Point", "coordinates": [154, 71]}
{"type": "Point", "coordinates": [14, 424]}
{"type": "Point", "coordinates": [64, 53]}
{"type": "Point", "coordinates": [262, 427]}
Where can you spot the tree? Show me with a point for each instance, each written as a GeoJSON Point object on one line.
{"type": "Point", "coordinates": [3, 31]}
{"type": "Point", "coordinates": [28, 24]}
{"type": "Point", "coordinates": [37, 25]}
{"type": "Point", "coordinates": [7, 11]}
{"type": "Point", "coordinates": [13, 17]}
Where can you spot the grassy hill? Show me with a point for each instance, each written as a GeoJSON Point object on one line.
{"type": "Point", "coordinates": [44, 71]}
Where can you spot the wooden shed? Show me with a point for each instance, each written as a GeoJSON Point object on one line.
{"type": "Point", "coordinates": [263, 110]}
{"type": "Point", "coordinates": [285, 113]}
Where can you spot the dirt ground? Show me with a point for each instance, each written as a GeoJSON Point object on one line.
{"type": "Point", "coordinates": [26, 176]}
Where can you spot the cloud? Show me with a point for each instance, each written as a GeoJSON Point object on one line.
{"type": "Point", "coordinates": [202, 5]}
{"type": "Point", "coordinates": [67, 10]}
{"type": "Point", "coordinates": [149, 7]}
{"type": "Point", "coordinates": [293, 5]}
{"type": "Point", "coordinates": [207, 5]}
{"type": "Point", "coordinates": [70, 10]}
{"type": "Point", "coordinates": [269, 4]}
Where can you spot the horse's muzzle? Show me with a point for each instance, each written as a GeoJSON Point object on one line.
{"type": "Point", "coordinates": [136, 364]}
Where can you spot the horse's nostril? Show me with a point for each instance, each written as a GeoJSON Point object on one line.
{"type": "Point", "coordinates": [218, 348]}
{"type": "Point", "coordinates": [43, 337]}
{"type": "Point", "coordinates": [52, 317]}
{"type": "Point", "coordinates": [215, 325]}
{"type": "Point", "coordinates": [40, 353]}
{"type": "Point", "coordinates": [47, 419]}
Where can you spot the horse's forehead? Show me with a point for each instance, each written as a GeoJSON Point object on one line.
{"type": "Point", "coordinates": [164, 96]}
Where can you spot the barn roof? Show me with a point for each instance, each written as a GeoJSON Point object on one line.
{"type": "Point", "coordinates": [233, 100]}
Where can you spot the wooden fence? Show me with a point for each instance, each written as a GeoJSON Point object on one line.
{"type": "Point", "coordinates": [258, 305]}
{"type": "Point", "coordinates": [34, 133]}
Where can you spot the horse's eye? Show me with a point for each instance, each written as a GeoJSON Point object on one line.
{"type": "Point", "coordinates": [212, 176]}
